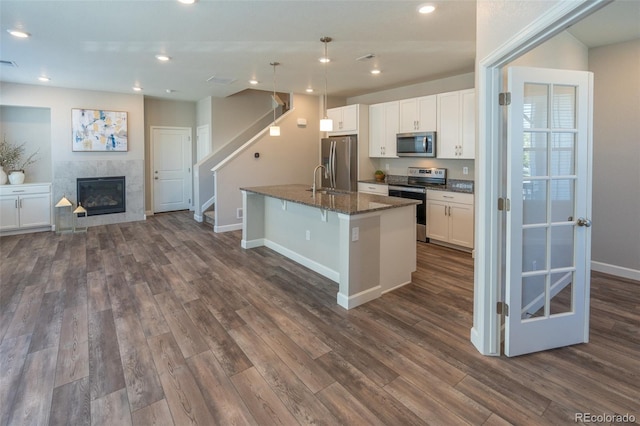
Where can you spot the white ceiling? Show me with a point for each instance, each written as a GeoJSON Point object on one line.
{"type": "Point", "coordinates": [111, 45]}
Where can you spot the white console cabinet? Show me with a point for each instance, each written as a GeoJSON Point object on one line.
{"type": "Point", "coordinates": [25, 208]}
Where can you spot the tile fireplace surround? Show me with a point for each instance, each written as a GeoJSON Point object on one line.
{"type": "Point", "coordinates": [65, 174]}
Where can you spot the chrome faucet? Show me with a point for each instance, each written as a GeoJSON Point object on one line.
{"type": "Point", "coordinates": [315, 172]}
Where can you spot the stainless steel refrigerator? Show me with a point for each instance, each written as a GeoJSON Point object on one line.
{"type": "Point", "coordinates": [340, 157]}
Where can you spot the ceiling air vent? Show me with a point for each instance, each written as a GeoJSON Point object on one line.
{"type": "Point", "coordinates": [220, 80]}
{"type": "Point", "coordinates": [8, 63]}
{"type": "Point", "coordinates": [366, 57]}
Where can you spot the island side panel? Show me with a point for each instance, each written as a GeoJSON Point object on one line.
{"type": "Point", "coordinates": [253, 227]}
{"type": "Point", "coordinates": [308, 235]}
{"type": "Point", "coordinates": [398, 248]}
{"type": "Point", "coordinates": [359, 259]}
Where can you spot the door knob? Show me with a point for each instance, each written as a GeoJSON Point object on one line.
{"type": "Point", "coordinates": [584, 222]}
{"type": "Point", "coordinates": [156, 178]}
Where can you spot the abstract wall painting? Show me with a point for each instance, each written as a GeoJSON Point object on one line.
{"type": "Point", "coordinates": [98, 130]}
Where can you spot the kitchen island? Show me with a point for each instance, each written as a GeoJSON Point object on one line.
{"type": "Point", "coordinates": [364, 242]}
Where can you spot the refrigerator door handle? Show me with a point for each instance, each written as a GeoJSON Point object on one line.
{"type": "Point", "coordinates": [333, 166]}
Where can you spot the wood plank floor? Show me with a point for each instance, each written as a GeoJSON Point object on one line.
{"type": "Point", "coordinates": [164, 322]}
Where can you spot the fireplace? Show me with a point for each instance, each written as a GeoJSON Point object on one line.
{"type": "Point", "coordinates": [102, 195]}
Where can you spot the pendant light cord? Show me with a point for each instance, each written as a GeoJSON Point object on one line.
{"type": "Point", "coordinates": [274, 64]}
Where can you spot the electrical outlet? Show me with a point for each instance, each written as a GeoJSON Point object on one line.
{"type": "Point", "coordinates": [308, 235]}
{"type": "Point", "coordinates": [239, 213]}
{"type": "Point", "coordinates": [465, 170]}
{"type": "Point", "coordinates": [386, 166]}
{"type": "Point", "coordinates": [355, 234]}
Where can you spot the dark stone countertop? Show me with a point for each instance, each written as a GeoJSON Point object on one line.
{"type": "Point", "coordinates": [453, 185]}
{"type": "Point", "coordinates": [349, 203]}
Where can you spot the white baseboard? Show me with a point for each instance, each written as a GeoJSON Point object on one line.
{"type": "Point", "coordinates": [148, 213]}
{"type": "Point", "coordinates": [618, 271]}
{"type": "Point", "coordinates": [227, 228]}
{"type": "Point", "coordinates": [304, 261]}
{"type": "Point", "coordinates": [198, 218]}
{"type": "Point", "coordinates": [358, 299]}
{"type": "Point", "coordinates": [249, 244]}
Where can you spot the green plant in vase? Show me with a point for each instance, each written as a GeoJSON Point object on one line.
{"type": "Point", "coordinates": [379, 175]}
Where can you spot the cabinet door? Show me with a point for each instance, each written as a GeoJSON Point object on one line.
{"type": "Point", "coordinates": [461, 224]}
{"type": "Point", "coordinates": [376, 130]}
{"type": "Point", "coordinates": [427, 113]}
{"type": "Point", "coordinates": [349, 119]}
{"type": "Point", "coordinates": [437, 220]}
{"type": "Point", "coordinates": [335, 114]}
{"type": "Point", "coordinates": [408, 115]}
{"type": "Point", "coordinates": [9, 217]}
{"type": "Point", "coordinates": [448, 136]}
{"type": "Point", "coordinates": [35, 210]}
{"type": "Point", "coordinates": [468, 130]}
{"type": "Point", "coordinates": [391, 118]}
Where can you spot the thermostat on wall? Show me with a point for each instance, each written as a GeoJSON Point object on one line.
{"type": "Point", "coordinates": [302, 121]}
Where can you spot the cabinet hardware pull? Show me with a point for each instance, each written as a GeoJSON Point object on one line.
{"type": "Point", "coordinates": [16, 204]}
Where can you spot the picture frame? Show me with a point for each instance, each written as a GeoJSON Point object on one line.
{"type": "Point", "coordinates": [98, 130]}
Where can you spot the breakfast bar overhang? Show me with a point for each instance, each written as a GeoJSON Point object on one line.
{"type": "Point", "coordinates": [366, 243]}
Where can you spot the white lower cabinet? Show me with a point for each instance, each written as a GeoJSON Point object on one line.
{"type": "Point", "coordinates": [450, 217]}
{"type": "Point", "coordinates": [25, 207]}
{"type": "Point", "coordinates": [373, 188]}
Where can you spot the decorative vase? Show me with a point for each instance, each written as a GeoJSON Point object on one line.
{"type": "Point", "coordinates": [16, 177]}
{"type": "Point", "coordinates": [3, 176]}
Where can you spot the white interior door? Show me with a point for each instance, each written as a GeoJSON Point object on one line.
{"type": "Point", "coordinates": [171, 169]}
{"type": "Point", "coordinates": [549, 186]}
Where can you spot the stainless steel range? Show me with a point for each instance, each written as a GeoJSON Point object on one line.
{"type": "Point", "coordinates": [418, 180]}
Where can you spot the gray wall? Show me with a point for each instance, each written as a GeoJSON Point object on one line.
{"type": "Point", "coordinates": [165, 113]}
{"type": "Point", "coordinates": [616, 151]}
{"type": "Point", "coordinates": [67, 165]}
{"type": "Point", "coordinates": [31, 126]}
{"type": "Point", "coordinates": [289, 158]}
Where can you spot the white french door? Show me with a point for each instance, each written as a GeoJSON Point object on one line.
{"type": "Point", "coordinates": [171, 150]}
{"type": "Point", "coordinates": [547, 228]}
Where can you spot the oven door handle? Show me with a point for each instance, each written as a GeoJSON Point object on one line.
{"type": "Point", "coordinates": [407, 189]}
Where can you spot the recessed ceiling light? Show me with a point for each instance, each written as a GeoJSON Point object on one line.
{"type": "Point", "coordinates": [426, 8]}
{"type": "Point", "coordinates": [309, 90]}
{"type": "Point", "coordinates": [169, 90]}
{"type": "Point", "coordinates": [163, 58]}
{"type": "Point", "coordinates": [375, 72]}
{"type": "Point", "coordinates": [19, 33]}
{"type": "Point", "coordinates": [137, 89]}
{"type": "Point", "coordinates": [44, 78]}
{"type": "Point", "coordinates": [324, 60]}
{"type": "Point", "coordinates": [187, 1]}
{"type": "Point", "coordinates": [253, 82]}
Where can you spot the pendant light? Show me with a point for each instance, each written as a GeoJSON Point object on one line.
{"type": "Point", "coordinates": [326, 124]}
{"type": "Point", "coordinates": [274, 130]}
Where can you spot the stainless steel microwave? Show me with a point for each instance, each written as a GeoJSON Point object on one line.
{"type": "Point", "coordinates": [421, 144]}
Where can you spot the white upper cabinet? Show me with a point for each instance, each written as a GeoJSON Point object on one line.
{"type": "Point", "coordinates": [418, 114]}
{"type": "Point", "coordinates": [456, 131]}
{"type": "Point", "coordinates": [345, 119]}
{"type": "Point", "coordinates": [383, 127]}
